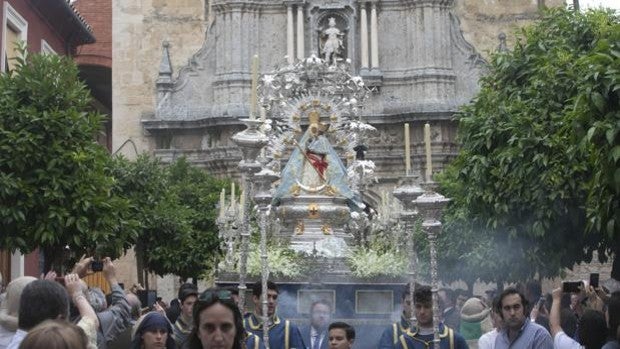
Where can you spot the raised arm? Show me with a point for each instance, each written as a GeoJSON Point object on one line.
{"type": "Point", "coordinates": [74, 287]}
{"type": "Point", "coordinates": [116, 318]}
{"type": "Point", "coordinates": [554, 315]}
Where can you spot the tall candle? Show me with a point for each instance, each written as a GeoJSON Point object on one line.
{"type": "Point", "coordinates": [241, 206]}
{"type": "Point", "coordinates": [232, 196]}
{"type": "Point", "coordinates": [383, 200]}
{"type": "Point", "coordinates": [222, 203]}
{"type": "Point", "coordinates": [407, 151]}
{"type": "Point", "coordinates": [253, 101]}
{"type": "Point", "coordinates": [427, 148]}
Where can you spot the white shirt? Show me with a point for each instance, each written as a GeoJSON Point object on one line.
{"type": "Point", "coordinates": [487, 340]}
{"type": "Point", "coordinates": [17, 339]}
{"type": "Point", "coordinates": [5, 337]}
{"type": "Point", "coordinates": [562, 341]}
{"type": "Point", "coordinates": [314, 335]}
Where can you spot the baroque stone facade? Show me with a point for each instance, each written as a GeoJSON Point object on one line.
{"type": "Point", "coordinates": [412, 53]}
{"type": "Point", "coordinates": [181, 69]}
{"type": "Point", "coordinates": [415, 54]}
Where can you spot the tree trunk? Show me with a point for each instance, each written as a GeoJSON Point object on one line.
{"type": "Point", "coordinates": [140, 263]}
{"type": "Point", "coordinates": [53, 259]}
{"type": "Point", "coordinates": [615, 266]}
{"type": "Point", "coordinates": [470, 287]}
{"type": "Point", "coordinates": [146, 280]}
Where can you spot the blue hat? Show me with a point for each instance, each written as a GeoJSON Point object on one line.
{"type": "Point", "coordinates": [152, 321]}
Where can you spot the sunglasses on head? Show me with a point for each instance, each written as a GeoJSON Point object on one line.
{"type": "Point", "coordinates": [211, 295]}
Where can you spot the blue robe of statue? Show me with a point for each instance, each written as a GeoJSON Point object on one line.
{"type": "Point", "coordinates": [298, 176]}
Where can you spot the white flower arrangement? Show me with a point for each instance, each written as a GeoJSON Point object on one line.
{"type": "Point", "coordinates": [367, 263]}
{"type": "Point", "coordinates": [281, 261]}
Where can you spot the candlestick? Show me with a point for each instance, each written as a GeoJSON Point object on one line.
{"type": "Point", "coordinates": [407, 151]}
{"type": "Point", "coordinates": [253, 99]}
{"type": "Point", "coordinates": [222, 203]}
{"type": "Point", "coordinates": [427, 148]}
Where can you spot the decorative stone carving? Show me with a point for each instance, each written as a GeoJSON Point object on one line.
{"type": "Point", "coordinates": [427, 70]}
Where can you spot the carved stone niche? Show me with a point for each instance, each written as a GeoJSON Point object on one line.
{"type": "Point", "coordinates": [344, 16]}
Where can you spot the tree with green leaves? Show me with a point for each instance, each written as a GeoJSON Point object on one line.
{"type": "Point", "coordinates": [175, 206]}
{"type": "Point", "coordinates": [536, 185]}
{"type": "Point", "coordinates": [55, 187]}
{"type": "Point", "coordinates": [198, 192]}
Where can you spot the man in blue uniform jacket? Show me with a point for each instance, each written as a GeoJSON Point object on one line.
{"type": "Point", "coordinates": [421, 336]}
{"type": "Point", "coordinates": [282, 333]}
{"type": "Point", "coordinates": [390, 335]}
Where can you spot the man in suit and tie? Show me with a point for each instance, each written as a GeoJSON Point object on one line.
{"type": "Point", "coordinates": [315, 335]}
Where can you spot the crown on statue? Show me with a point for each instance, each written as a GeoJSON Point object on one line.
{"type": "Point", "coordinates": [315, 119]}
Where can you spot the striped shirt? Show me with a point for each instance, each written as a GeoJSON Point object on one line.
{"type": "Point", "coordinates": [530, 336]}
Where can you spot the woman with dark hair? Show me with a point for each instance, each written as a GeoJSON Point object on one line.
{"type": "Point", "coordinates": [613, 321]}
{"type": "Point", "coordinates": [592, 329]}
{"type": "Point", "coordinates": [218, 323]}
{"type": "Point", "coordinates": [152, 330]}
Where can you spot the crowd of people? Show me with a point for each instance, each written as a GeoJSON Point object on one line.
{"type": "Point", "coordinates": [64, 313]}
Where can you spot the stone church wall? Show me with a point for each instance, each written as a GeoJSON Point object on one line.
{"type": "Point", "coordinates": [140, 27]}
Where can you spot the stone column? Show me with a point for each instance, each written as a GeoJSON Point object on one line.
{"type": "Point", "coordinates": [290, 44]}
{"type": "Point", "coordinates": [364, 34]}
{"type": "Point", "coordinates": [17, 265]}
{"type": "Point", "coordinates": [374, 43]}
{"type": "Point", "coordinates": [300, 31]}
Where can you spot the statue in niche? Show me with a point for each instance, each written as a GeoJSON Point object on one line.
{"type": "Point", "coordinates": [332, 42]}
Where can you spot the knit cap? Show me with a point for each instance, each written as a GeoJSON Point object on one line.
{"type": "Point", "coordinates": [474, 310]}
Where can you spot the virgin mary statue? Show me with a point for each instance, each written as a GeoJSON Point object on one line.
{"type": "Point", "coordinates": [315, 168]}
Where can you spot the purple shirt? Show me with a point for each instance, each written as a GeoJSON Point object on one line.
{"type": "Point", "coordinates": [530, 336]}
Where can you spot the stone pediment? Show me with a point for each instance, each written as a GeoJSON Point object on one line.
{"type": "Point", "coordinates": [424, 63]}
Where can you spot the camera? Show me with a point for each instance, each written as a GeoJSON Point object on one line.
{"type": "Point", "coordinates": [572, 286]}
{"type": "Point", "coordinates": [96, 265]}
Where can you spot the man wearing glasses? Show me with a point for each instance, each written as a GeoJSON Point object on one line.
{"type": "Point", "coordinates": [279, 329]}
{"type": "Point", "coordinates": [518, 331]}
{"type": "Point", "coordinates": [315, 335]}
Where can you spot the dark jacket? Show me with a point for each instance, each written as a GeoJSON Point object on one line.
{"type": "Point", "coordinates": [114, 320]}
{"type": "Point", "coordinates": [306, 335]}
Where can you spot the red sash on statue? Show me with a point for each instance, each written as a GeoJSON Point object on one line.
{"type": "Point", "coordinates": [318, 162]}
